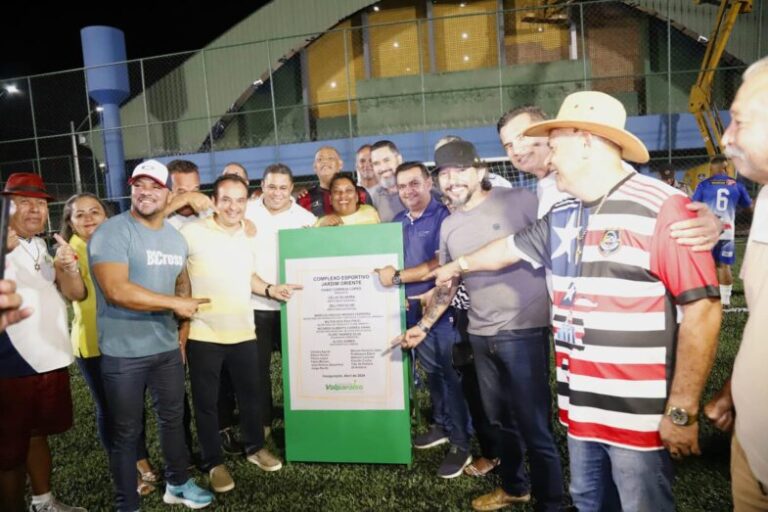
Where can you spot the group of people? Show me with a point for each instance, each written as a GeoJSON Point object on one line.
{"type": "Point", "coordinates": [615, 266]}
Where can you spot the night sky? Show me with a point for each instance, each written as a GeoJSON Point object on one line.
{"type": "Point", "coordinates": [43, 37]}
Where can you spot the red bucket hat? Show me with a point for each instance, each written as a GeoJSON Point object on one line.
{"type": "Point", "coordinates": [26, 184]}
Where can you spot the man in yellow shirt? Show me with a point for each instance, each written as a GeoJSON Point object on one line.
{"type": "Point", "coordinates": [221, 266]}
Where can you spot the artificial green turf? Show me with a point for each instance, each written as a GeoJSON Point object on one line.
{"type": "Point", "coordinates": [81, 476]}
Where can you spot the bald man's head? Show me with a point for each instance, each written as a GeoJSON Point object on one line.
{"type": "Point", "coordinates": [327, 163]}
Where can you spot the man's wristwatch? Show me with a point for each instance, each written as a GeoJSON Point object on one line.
{"type": "Point", "coordinates": [425, 329]}
{"type": "Point", "coordinates": [680, 416]}
{"type": "Point", "coordinates": [463, 264]}
{"type": "Point", "coordinates": [396, 278]}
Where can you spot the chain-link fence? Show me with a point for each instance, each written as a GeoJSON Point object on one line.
{"type": "Point", "coordinates": [397, 67]}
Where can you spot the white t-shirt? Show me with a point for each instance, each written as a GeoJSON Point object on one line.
{"type": "Point", "coordinates": [178, 221]}
{"type": "Point", "coordinates": [42, 340]}
{"type": "Point", "coordinates": [267, 257]}
{"type": "Point", "coordinates": [498, 181]}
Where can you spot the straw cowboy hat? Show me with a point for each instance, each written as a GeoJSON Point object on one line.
{"type": "Point", "coordinates": [598, 113]}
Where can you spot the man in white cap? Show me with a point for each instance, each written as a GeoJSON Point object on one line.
{"type": "Point", "coordinates": [743, 398]}
{"type": "Point", "coordinates": [137, 258]}
{"type": "Point", "coordinates": [630, 376]}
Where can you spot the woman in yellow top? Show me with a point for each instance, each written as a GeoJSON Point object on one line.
{"type": "Point", "coordinates": [347, 210]}
{"type": "Point", "coordinates": [82, 214]}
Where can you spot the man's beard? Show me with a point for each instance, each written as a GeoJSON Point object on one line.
{"type": "Point", "coordinates": [388, 182]}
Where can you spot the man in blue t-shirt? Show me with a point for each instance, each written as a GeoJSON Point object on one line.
{"type": "Point", "coordinates": [137, 258]}
{"type": "Point", "coordinates": [723, 194]}
{"type": "Point", "coordinates": [421, 222]}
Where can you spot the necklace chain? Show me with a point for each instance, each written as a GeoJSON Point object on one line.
{"type": "Point", "coordinates": [35, 259]}
{"type": "Point", "coordinates": [583, 229]}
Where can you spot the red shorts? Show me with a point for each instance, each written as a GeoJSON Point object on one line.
{"type": "Point", "coordinates": [36, 405]}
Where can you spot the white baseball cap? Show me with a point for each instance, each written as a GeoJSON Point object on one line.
{"type": "Point", "coordinates": [151, 169]}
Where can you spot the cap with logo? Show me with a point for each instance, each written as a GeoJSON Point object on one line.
{"type": "Point", "coordinates": [150, 169]}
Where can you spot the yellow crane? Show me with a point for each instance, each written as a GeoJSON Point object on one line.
{"type": "Point", "coordinates": [700, 99]}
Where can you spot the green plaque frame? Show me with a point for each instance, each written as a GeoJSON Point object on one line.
{"type": "Point", "coordinates": [355, 436]}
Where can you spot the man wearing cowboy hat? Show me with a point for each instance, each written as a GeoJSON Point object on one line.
{"type": "Point", "coordinates": [529, 154]}
{"type": "Point", "coordinates": [629, 378]}
{"type": "Point", "coordinates": [34, 382]}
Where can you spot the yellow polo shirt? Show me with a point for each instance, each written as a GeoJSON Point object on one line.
{"type": "Point", "coordinates": [84, 336]}
{"type": "Point", "coordinates": [220, 265]}
{"type": "Point", "coordinates": [365, 214]}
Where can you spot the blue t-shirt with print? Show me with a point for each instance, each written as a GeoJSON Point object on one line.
{"type": "Point", "coordinates": [155, 259]}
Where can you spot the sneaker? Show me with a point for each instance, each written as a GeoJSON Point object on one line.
{"type": "Point", "coordinates": [188, 494]}
{"type": "Point", "coordinates": [454, 462]}
{"type": "Point", "coordinates": [220, 479]}
{"type": "Point", "coordinates": [229, 442]}
{"type": "Point", "coordinates": [498, 499]}
{"type": "Point", "coordinates": [431, 438]}
{"type": "Point", "coordinates": [54, 505]}
{"type": "Point", "coordinates": [265, 460]}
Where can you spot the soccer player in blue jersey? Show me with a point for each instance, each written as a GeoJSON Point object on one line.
{"type": "Point", "coordinates": [723, 195]}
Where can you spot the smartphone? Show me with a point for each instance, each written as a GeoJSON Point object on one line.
{"type": "Point", "coordinates": [5, 219]}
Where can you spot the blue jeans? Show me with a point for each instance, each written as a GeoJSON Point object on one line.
{"type": "Point", "coordinates": [125, 379]}
{"type": "Point", "coordinates": [606, 477]}
{"type": "Point", "coordinates": [449, 409]}
{"type": "Point", "coordinates": [91, 369]}
{"type": "Point", "coordinates": [513, 373]}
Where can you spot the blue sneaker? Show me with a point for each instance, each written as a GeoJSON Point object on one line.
{"type": "Point", "coordinates": [188, 494]}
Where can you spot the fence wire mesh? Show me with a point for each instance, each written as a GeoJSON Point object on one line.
{"type": "Point", "coordinates": [405, 66]}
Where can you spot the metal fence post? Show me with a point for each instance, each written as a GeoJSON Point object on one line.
{"type": "Point", "coordinates": [274, 105]}
{"type": "Point", "coordinates": [208, 120]}
{"type": "Point", "coordinates": [76, 158]}
{"type": "Point", "coordinates": [760, 31]}
{"type": "Point", "coordinates": [502, 52]}
{"type": "Point", "coordinates": [669, 86]}
{"type": "Point", "coordinates": [34, 127]}
{"type": "Point", "coordinates": [146, 107]}
{"type": "Point", "coordinates": [422, 87]}
{"type": "Point", "coordinates": [207, 103]}
{"type": "Point", "coordinates": [349, 85]}
{"type": "Point", "coordinates": [583, 43]}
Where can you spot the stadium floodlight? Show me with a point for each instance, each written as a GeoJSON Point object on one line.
{"type": "Point", "coordinates": [9, 90]}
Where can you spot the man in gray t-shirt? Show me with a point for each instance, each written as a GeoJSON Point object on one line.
{"type": "Point", "coordinates": [136, 259]}
{"type": "Point", "coordinates": [511, 298]}
{"type": "Point", "coordinates": [155, 258]}
{"type": "Point", "coordinates": [508, 330]}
